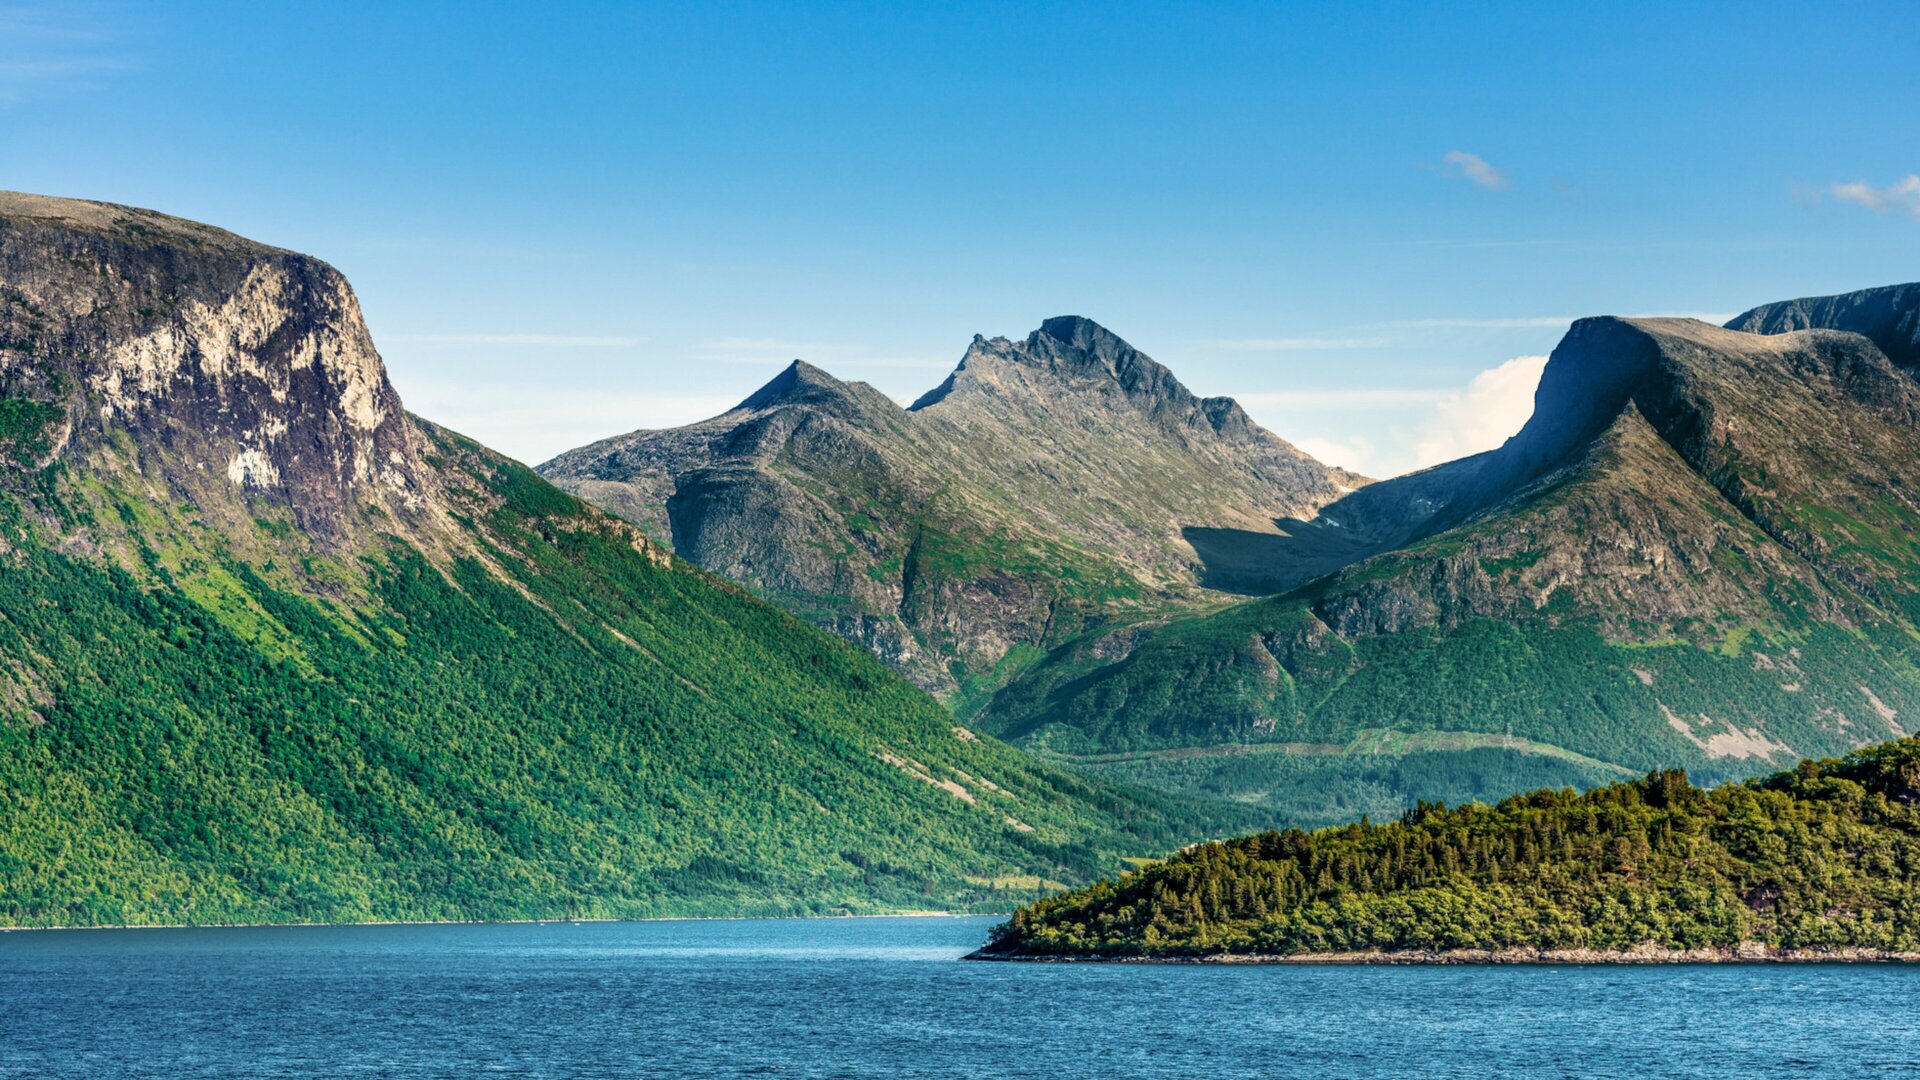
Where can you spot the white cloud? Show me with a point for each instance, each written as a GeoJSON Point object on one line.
{"type": "Point", "coordinates": [901, 362]}
{"type": "Point", "coordinates": [1475, 168]}
{"type": "Point", "coordinates": [1299, 344]}
{"type": "Point", "coordinates": [750, 352]}
{"type": "Point", "coordinates": [1494, 405]}
{"type": "Point", "coordinates": [1546, 322]}
{"type": "Point", "coordinates": [773, 345]}
{"type": "Point", "coordinates": [1408, 427]}
{"type": "Point", "coordinates": [48, 49]}
{"type": "Point", "coordinates": [1901, 196]}
{"type": "Point", "coordinates": [1355, 452]}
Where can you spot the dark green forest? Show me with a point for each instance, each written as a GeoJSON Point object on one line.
{"type": "Point", "coordinates": [1210, 681]}
{"type": "Point", "coordinates": [1336, 784]}
{"type": "Point", "coordinates": [553, 724]}
{"type": "Point", "coordinates": [1823, 856]}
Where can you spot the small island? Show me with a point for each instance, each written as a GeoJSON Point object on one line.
{"type": "Point", "coordinates": [1819, 863]}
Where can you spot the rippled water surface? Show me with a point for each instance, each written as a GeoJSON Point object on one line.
{"type": "Point", "coordinates": [887, 998]}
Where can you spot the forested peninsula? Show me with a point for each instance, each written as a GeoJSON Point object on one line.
{"type": "Point", "coordinates": [1819, 862]}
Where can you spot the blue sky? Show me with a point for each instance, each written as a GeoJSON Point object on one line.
{"type": "Point", "coordinates": [569, 221]}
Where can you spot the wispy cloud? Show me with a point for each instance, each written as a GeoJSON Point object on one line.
{"type": "Point", "coordinates": [1516, 323]}
{"type": "Point", "coordinates": [1902, 196]}
{"type": "Point", "coordinates": [568, 341]}
{"type": "Point", "coordinates": [1345, 398]}
{"type": "Point", "coordinates": [758, 351]}
{"type": "Point", "coordinates": [1299, 344]}
{"type": "Point", "coordinates": [774, 345]}
{"type": "Point", "coordinates": [1475, 168]}
{"type": "Point", "coordinates": [51, 49]}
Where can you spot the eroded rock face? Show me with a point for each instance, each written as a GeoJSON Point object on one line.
{"type": "Point", "coordinates": [1449, 591]}
{"type": "Point", "coordinates": [236, 368]}
{"type": "Point", "coordinates": [1047, 486]}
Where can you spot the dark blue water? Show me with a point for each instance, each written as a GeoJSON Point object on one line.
{"type": "Point", "coordinates": [887, 998]}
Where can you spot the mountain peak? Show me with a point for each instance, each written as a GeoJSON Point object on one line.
{"type": "Point", "coordinates": [798, 383]}
{"type": "Point", "coordinates": [1066, 445]}
{"type": "Point", "coordinates": [1080, 345]}
{"type": "Point", "coordinates": [1066, 350]}
{"type": "Point", "coordinates": [1074, 355]}
{"type": "Point", "coordinates": [1079, 332]}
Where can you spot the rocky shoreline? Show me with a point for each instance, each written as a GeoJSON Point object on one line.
{"type": "Point", "coordinates": [1746, 952]}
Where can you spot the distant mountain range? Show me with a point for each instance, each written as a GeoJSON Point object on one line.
{"type": "Point", "coordinates": [1047, 487]}
{"type": "Point", "coordinates": [1699, 551]}
{"type": "Point", "coordinates": [273, 649]}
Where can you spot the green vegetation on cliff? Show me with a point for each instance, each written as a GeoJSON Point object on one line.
{"type": "Point", "coordinates": [597, 734]}
{"type": "Point", "coordinates": [1823, 856]}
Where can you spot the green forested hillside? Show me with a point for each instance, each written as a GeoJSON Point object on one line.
{"type": "Point", "coordinates": [272, 649]}
{"type": "Point", "coordinates": [1698, 553]}
{"type": "Point", "coordinates": [600, 734]}
{"type": "Point", "coordinates": [1825, 856]}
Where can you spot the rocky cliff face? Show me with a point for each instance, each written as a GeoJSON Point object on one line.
{"type": "Point", "coordinates": [1698, 551]}
{"type": "Point", "coordinates": [1047, 486]}
{"type": "Point", "coordinates": [226, 370]}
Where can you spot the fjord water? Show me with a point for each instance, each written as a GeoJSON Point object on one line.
{"type": "Point", "coordinates": [886, 998]}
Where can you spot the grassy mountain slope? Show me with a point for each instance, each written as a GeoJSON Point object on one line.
{"type": "Point", "coordinates": [272, 649]}
{"type": "Point", "coordinates": [1049, 486]}
{"type": "Point", "coordinates": [1819, 860]}
{"type": "Point", "coordinates": [1699, 552]}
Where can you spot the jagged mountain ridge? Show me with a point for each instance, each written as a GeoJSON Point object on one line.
{"type": "Point", "coordinates": [1698, 551]}
{"type": "Point", "coordinates": [1889, 317]}
{"type": "Point", "coordinates": [1047, 486]}
{"type": "Point", "coordinates": [273, 649]}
